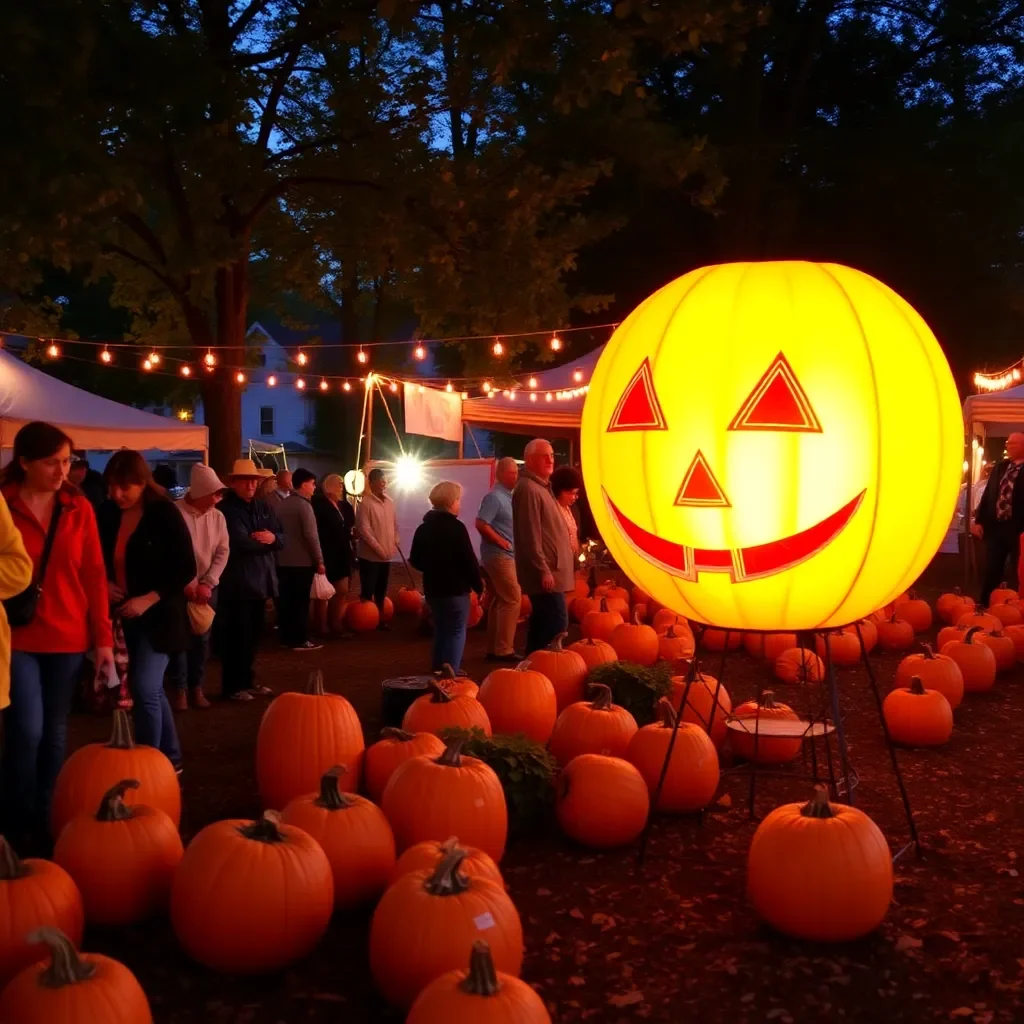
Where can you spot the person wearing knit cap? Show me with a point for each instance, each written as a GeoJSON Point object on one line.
{"type": "Point", "coordinates": [209, 531]}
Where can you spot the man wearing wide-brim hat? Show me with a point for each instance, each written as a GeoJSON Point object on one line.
{"type": "Point", "coordinates": [249, 578]}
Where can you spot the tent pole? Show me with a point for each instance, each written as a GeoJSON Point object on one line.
{"type": "Point", "coordinates": [369, 424]}
{"type": "Point", "coordinates": [462, 444]}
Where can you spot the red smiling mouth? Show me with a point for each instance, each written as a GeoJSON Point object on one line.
{"type": "Point", "coordinates": [742, 564]}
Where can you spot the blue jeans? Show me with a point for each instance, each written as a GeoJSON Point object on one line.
{"type": "Point", "coordinates": [549, 617]}
{"type": "Point", "coordinates": [450, 617]}
{"type": "Point", "coordinates": [187, 668]}
{"type": "Point", "coordinates": [36, 732]}
{"type": "Point", "coordinates": [154, 721]}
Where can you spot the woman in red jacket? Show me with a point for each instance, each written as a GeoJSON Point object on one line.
{"type": "Point", "coordinates": [71, 617]}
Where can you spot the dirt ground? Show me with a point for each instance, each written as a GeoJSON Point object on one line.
{"type": "Point", "coordinates": [677, 941]}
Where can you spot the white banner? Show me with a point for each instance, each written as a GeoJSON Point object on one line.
{"type": "Point", "coordinates": [433, 412]}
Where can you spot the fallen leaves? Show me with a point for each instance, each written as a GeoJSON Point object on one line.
{"type": "Point", "coordinates": [627, 998]}
{"type": "Point", "coordinates": [905, 942]}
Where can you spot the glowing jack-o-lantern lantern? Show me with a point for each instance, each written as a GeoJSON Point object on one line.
{"type": "Point", "coordinates": [773, 445]}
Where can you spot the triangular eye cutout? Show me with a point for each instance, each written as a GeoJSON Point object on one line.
{"type": "Point", "coordinates": [638, 408]}
{"type": "Point", "coordinates": [700, 486]}
{"type": "Point", "coordinates": [778, 402]}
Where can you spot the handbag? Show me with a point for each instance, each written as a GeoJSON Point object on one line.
{"type": "Point", "coordinates": [322, 588]}
{"type": "Point", "coordinates": [21, 608]}
{"type": "Point", "coordinates": [200, 618]}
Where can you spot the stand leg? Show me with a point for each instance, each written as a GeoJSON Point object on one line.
{"type": "Point", "coordinates": [837, 721]}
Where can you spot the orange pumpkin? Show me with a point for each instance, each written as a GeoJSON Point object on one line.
{"type": "Point", "coordinates": [617, 605]}
{"type": "Point", "coordinates": [843, 648]}
{"type": "Point", "coordinates": [820, 871]}
{"type": "Point", "coordinates": [1016, 634]}
{"type": "Point", "coordinates": [362, 616]}
{"type": "Point", "coordinates": [353, 833]}
{"type": "Point", "coordinates": [917, 717]}
{"type": "Point", "coordinates": [601, 801]}
{"type": "Point", "coordinates": [635, 642]}
{"type": "Point", "coordinates": [581, 588]}
{"type": "Point", "coordinates": [693, 772]}
{"type": "Point", "coordinates": [799, 665]}
{"type": "Point", "coordinates": [954, 604]}
{"type": "Point", "coordinates": [979, 619]}
{"type": "Point", "coordinates": [483, 993]}
{"type": "Point", "coordinates": [915, 611]}
{"type": "Point", "coordinates": [33, 893]}
{"type": "Point", "coordinates": [580, 607]}
{"type": "Point", "coordinates": [756, 747]}
{"type": "Point", "coordinates": [427, 855]}
{"type": "Point", "coordinates": [408, 601]}
{"type": "Point", "coordinates": [1002, 647]}
{"type": "Point", "coordinates": [520, 700]}
{"type": "Point", "coordinates": [73, 988]}
{"type": "Point", "coordinates": [1008, 613]}
{"type": "Point", "coordinates": [676, 644]}
{"type": "Point", "coordinates": [977, 662]}
{"type": "Point", "coordinates": [868, 632]}
{"type": "Point", "coordinates": [525, 608]}
{"type": "Point", "coordinates": [439, 709]}
{"type": "Point", "coordinates": [476, 616]}
{"type": "Point", "coordinates": [936, 671]}
{"type": "Point", "coordinates": [1002, 594]}
{"type": "Point", "coordinates": [427, 922]}
{"type": "Point", "coordinates": [91, 770]}
{"type": "Point", "coordinates": [594, 652]}
{"type": "Point", "coordinates": [251, 897]}
{"type": "Point", "coordinates": [768, 645]}
{"type": "Point", "coordinates": [895, 634]}
{"type": "Point", "coordinates": [592, 727]}
{"type": "Point", "coordinates": [720, 639]}
{"type": "Point", "coordinates": [600, 624]}
{"type": "Point", "coordinates": [300, 737]}
{"type": "Point", "coordinates": [566, 670]}
{"type": "Point", "coordinates": [701, 706]}
{"type": "Point", "coordinates": [948, 634]}
{"type": "Point", "coordinates": [665, 617]}
{"type": "Point", "coordinates": [450, 795]}
{"type": "Point", "coordinates": [640, 613]}
{"type": "Point", "coordinates": [640, 596]}
{"type": "Point", "coordinates": [457, 686]}
{"type": "Point", "coordinates": [394, 748]}
{"type": "Point", "coordinates": [122, 858]}
{"type": "Point", "coordinates": [610, 590]}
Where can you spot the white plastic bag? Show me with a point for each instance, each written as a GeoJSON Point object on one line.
{"type": "Point", "coordinates": [322, 589]}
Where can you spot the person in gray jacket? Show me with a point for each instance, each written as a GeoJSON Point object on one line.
{"type": "Point", "coordinates": [297, 562]}
{"type": "Point", "coordinates": [544, 560]}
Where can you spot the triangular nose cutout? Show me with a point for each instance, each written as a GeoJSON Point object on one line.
{"type": "Point", "coordinates": [700, 486]}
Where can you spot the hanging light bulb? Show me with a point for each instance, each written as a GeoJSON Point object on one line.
{"type": "Point", "coordinates": [105, 355]}
{"type": "Point", "coordinates": [154, 358]}
{"type": "Point", "coordinates": [548, 397]}
{"type": "Point", "coordinates": [465, 395]}
{"type": "Point", "coordinates": [491, 394]}
{"type": "Point", "coordinates": [486, 386]}
{"type": "Point", "coordinates": [577, 375]}
{"type": "Point", "coordinates": [300, 384]}
{"type": "Point", "coordinates": [362, 357]}
{"type": "Point", "coordinates": [511, 396]}
{"type": "Point", "coordinates": [186, 370]}
{"type": "Point", "coordinates": [368, 381]}
{"type": "Point", "coordinates": [419, 389]}
{"type": "Point", "coordinates": [53, 351]}
{"type": "Point", "coordinates": [210, 359]}
{"type": "Point", "coordinates": [394, 385]}
{"type": "Point", "coordinates": [532, 382]}
{"type": "Point", "coordinates": [323, 384]}
{"type": "Point", "coordinates": [448, 387]}
{"type": "Point", "coordinates": [301, 358]}
{"type": "Point", "coordinates": [272, 381]}
{"type": "Point", "coordinates": [346, 386]}
{"type": "Point", "coordinates": [497, 348]}
{"type": "Point", "coordinates": [147, 364]}
{"type": "Point", "coordinates": [533, 397]}
{"type": "Point", "coordinates": [239, 377]}
{"type": "Point", "coordinates": [556, 343]}
{"type": "Point", "coordinates": [419, 352]}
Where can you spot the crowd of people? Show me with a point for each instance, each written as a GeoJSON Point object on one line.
{"type": "Point", "coordinates": [110, 586]}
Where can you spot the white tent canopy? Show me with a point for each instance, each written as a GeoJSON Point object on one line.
{"type": "Point", "coordinates": [27, 394]}
{"type": "Point", "coordinates": [995, 413]}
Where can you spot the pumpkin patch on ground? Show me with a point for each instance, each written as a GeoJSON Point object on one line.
{"type": "Point", "coordinates": [678, 940]}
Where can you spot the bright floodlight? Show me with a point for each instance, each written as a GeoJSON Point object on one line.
{"type": "Point", "coordinates": [408, 472]}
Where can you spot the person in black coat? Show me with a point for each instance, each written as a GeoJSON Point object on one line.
{"type": "Point", "coordinates": [442, 551]}
{"type": "Point", "coordinates": [249, 579]}
{"type": "Point", "coordinates": [999, 518]}
{"type": "Point", "coordinates": [148, 554]}
{"type": "Point", "coordinates": [334, 522]}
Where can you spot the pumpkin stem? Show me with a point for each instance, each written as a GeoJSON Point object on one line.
{"type": "Point", "coordinates": [523, 666]}
{"type": "Point", "coordinates": [66, 966]}
{"type": "Point", "coordinates": [970, 634]}
{"type": "Point", "coordinates": [767, 700]}
{"type": "Point", "coordinates": [602, 699]}
{"type": "Point", "coordinates": [482, 979]}
{"type": "Point", "coordinates": [112, 806]}
{"type": "Point", "coordinates": [11, 866]}
{"type": "Point", "coordinates": [956, 590]}
{"type": "Point", "coordinates": [452, 755]}
{"type": "Point", "coordinates": [438, 693]}
{"type": "Point", "coordinates": [331, 797]}
{"type": "Point", "coordinates": [392, 733]}
{"type": "Point", "coordinates": [265, 829]}
{"type": "Point", "coordinates": [121, 736]}
{"type": "Point", "coordinates": [818, 806]}
{"type": "Point", "coordinates": [447, 879]}
{"type": "Point", "coordinates": [556, 644]}
{"type": "Point", "coordinates": [447, 673]}
{"type": "Point", "coordinates": [315, 684]}
{"type": "Point", "coordinates": [666, 713]}
{"type": "Point", "coordinates": [636, 618]}
{"type": "Point", "coordinates": [929, 652]}
{"type": "Point", "coordinates": [916, 686]}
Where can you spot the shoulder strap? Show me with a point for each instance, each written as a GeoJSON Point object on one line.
{"type": "Point", "coordinates": [51, 533]}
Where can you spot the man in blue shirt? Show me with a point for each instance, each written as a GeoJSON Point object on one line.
{"type": "Point", "coordinates": [497, 559]}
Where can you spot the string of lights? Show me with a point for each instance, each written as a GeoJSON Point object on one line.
{"type": "Point", "coordinates": [1000, 381]}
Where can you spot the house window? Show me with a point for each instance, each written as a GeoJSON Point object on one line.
{"type": "Point", "coordinates": [266, 420]}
